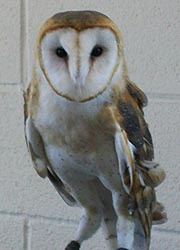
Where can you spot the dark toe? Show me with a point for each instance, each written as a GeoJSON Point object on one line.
{"type": "Point", "coordinates": [122, 248]}
{"type": "Point", "coordinates": [73, 245]}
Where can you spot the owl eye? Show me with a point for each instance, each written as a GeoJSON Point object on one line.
{"type": "Point", "coordinates": [97, 51]}
{"type": "Point", "coordinates": [60, 52]}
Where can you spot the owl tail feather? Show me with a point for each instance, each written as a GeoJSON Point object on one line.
{"type": "Point", "coordinates": [139, 178]}
{"type": "Point", "coordinates": [152, 174]}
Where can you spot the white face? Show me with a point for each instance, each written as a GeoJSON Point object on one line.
{"type": "Point", "coordinates": [79, 64]}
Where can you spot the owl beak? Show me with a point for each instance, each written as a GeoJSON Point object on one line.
{"type": "Point", "coordinates": [79, 82]}
{"type": "Point", "coordinates": [79, 76]}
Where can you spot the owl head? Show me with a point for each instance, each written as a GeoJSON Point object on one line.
{"type": "Point", "coordinates": [80, 53]}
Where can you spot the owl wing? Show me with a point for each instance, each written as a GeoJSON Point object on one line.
{"type": "Point", "coordinates": [134, 148]}
{"type": "Point", "coordinates": [36, 149]}
{"type": "Point", "coordinates": [137, 130]}
{"type": "Point", "coordinates": [131, 110]}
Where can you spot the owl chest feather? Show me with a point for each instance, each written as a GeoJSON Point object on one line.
{"type": "Point", "coordinates": [75, 131]}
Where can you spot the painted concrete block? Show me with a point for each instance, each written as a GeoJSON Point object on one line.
{"type": "Point", "coordinates": [164, 119]}
{"type": "Point", "coordinates": [11, 232]}
{"type": "Point", "coordinates": [161, 240]}
{"type": "Point", "coordinates": [10, 42]}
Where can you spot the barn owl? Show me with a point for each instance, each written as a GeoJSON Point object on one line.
{"type": "Point", "coordinates": [86, 132]}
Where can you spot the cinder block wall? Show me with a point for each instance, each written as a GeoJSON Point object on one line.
{"type": "Point", "coordinates": [32, 215]}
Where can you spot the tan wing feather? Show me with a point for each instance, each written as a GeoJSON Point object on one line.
{"type": "Point", "coordinates": [145, 173]}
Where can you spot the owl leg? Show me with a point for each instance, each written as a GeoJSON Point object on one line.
{"type": "Point", "coordinates": [109, 217]}
{"type": "Point", "coordinates": [140, 241]}
{"type": "Point", "coordinates": [109, 226]}
{"type": "Point", "coordinates": [125, 224]}
{"type": "Point", "coordinates": [87, 196]}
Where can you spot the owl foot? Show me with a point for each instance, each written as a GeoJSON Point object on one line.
{"type": "Point", "coordinates": [73, 245]}
{"type": "Point", "coordinates": [122, 248]}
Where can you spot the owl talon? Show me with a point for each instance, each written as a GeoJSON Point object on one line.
{"type": "Point", "coordinates": [122, 248]}
{"type": "Point", "coordinates": [73, 245]}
